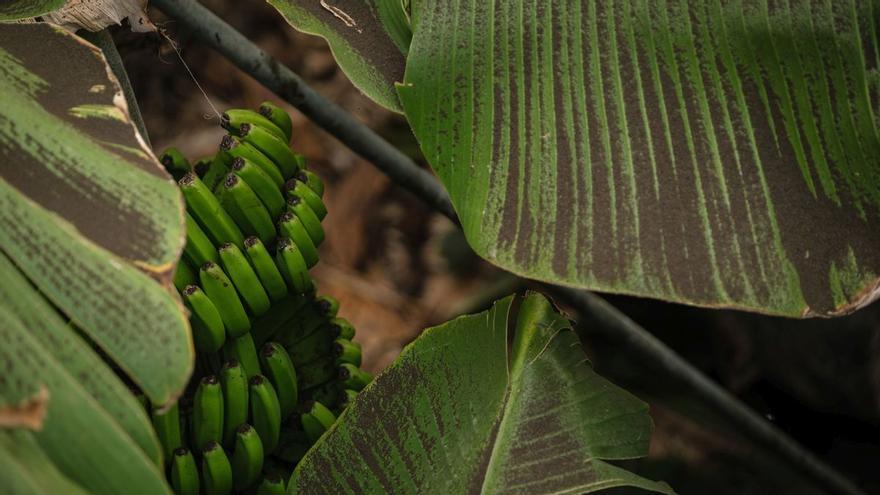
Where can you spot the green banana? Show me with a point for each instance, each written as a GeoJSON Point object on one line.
{"type": "Point", "coordinates": [232, 147]}
{"type": "Point", "coordinates": [231, 120]}
{"type": "Point", "coordinates": [316, 373]}
{"type": "Point", "coordinates": [327, 306]}
{"type": "Point", "coordinates": [295, 187]}
{"type": "Point", "coordinates": [273, 147]}
{"type": "Point", "coordinates": [353, 377]}
{"type": "Point", "coordinates": [265, 412]}
{"type": "Point", "coordinates": [312, 180]}
{"type": "Point", "coordinates": [199, 248]}
{"type": "Point", "coordinates": [276, 364]}
{"type": "Point", "coordinates": [247, 457]}
{"type": "Point", "coordinates": [265, 268]}
{"type": "Point", "coordinates": [209, 333]}
{"type": "Point", "coordinates": [292, 266]}
{"type": "Point", "coordinates": [244, 279]}
{"type": "Point", "coordinates": [250, 206]}
{"type": "Point", "coordinates": [262, 185]}
{"type": "Point", "coordinates": [340, 328]}
{"type": "Point", "coordinates": [272, 484]}
{"type": "Point", "coordinates": [316, 419]}
{"type": "Point", "coordinates": [300, 160]}
{"type": "Point", "coordinates": [220, 290]}
{"type": "Point", "coordinates": [184, 473]}
{"type": "Point", "coordinates": [215, 172]}
{"type": "Point", "coordinates": [231, 208]}
{"type": "Point", "coordinates": [289, 225]}
{"type": "Point", "coordinates": [234, 384]}
{"type": "Point", "coordinates": [207, 412]}
{"type": "Point", "coordinates": [242, 349]}
{"type": "Point", "coordinates": [175, 163]}
{"type": "Point", "coordinates": [308, 217]}
{"type": "Point", "coordinates": [278, 117]}
{"type": "Point", "coordinates": [216, 470]}
{"type": "Point", "coordinates": [184, 275]}
{"type": "Point", "coordinates": [207, 211]}
{"type": "Point", "coordinates": [346, 351]}
{"type": "Point", "coordinates": [167, 426]}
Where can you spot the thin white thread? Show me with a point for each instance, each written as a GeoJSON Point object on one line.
{"type": "Point", "coordinates": [191, 75]}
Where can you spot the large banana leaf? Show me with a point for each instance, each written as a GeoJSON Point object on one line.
{"type": "Point", "coordinates": [90, 230]}
{"type": "Point", "coordinates": [25, 469]}
{"type": "Point", "coordinates": [11, 10]}
{"type": "Point", "coordinates": [86, 212]}
{"type": "Point", "coordinates": [710, 152]}
{"type": "Point", "coordinates": [456, 414]}
{"type": "Point", "coordinates": [93, 432]}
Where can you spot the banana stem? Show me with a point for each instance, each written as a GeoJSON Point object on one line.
{"type": "Point", "coordinates": [212, 30]}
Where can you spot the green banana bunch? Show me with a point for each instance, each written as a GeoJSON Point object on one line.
{"type": "Point", "coordinates": [253, 217]}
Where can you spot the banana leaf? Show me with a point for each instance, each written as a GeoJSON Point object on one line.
{"type": "Point", "coordinates": [91, 228]}
{"type": "Point", "coordinates": [13, 10]}
{"type": "Point", "coordinates": [462, 412]}
{"type": "Point", "coordinates": [720, 153]}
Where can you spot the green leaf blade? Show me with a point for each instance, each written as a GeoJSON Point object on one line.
{"type": "Point", "coordinates": [88, 214]}
{"type": "Point", "coordinates": [26, 470]}
{"type": "Point", "coordinates": [78, 359]}
{"type": "Point", "coordinates": [447, 417]}
{"type": "Point", "coordinates": [14, 10]}
{"type": "Point", "coordinates": [700, 152]}
{"type": "Point", "coordinates": [80, 438]}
